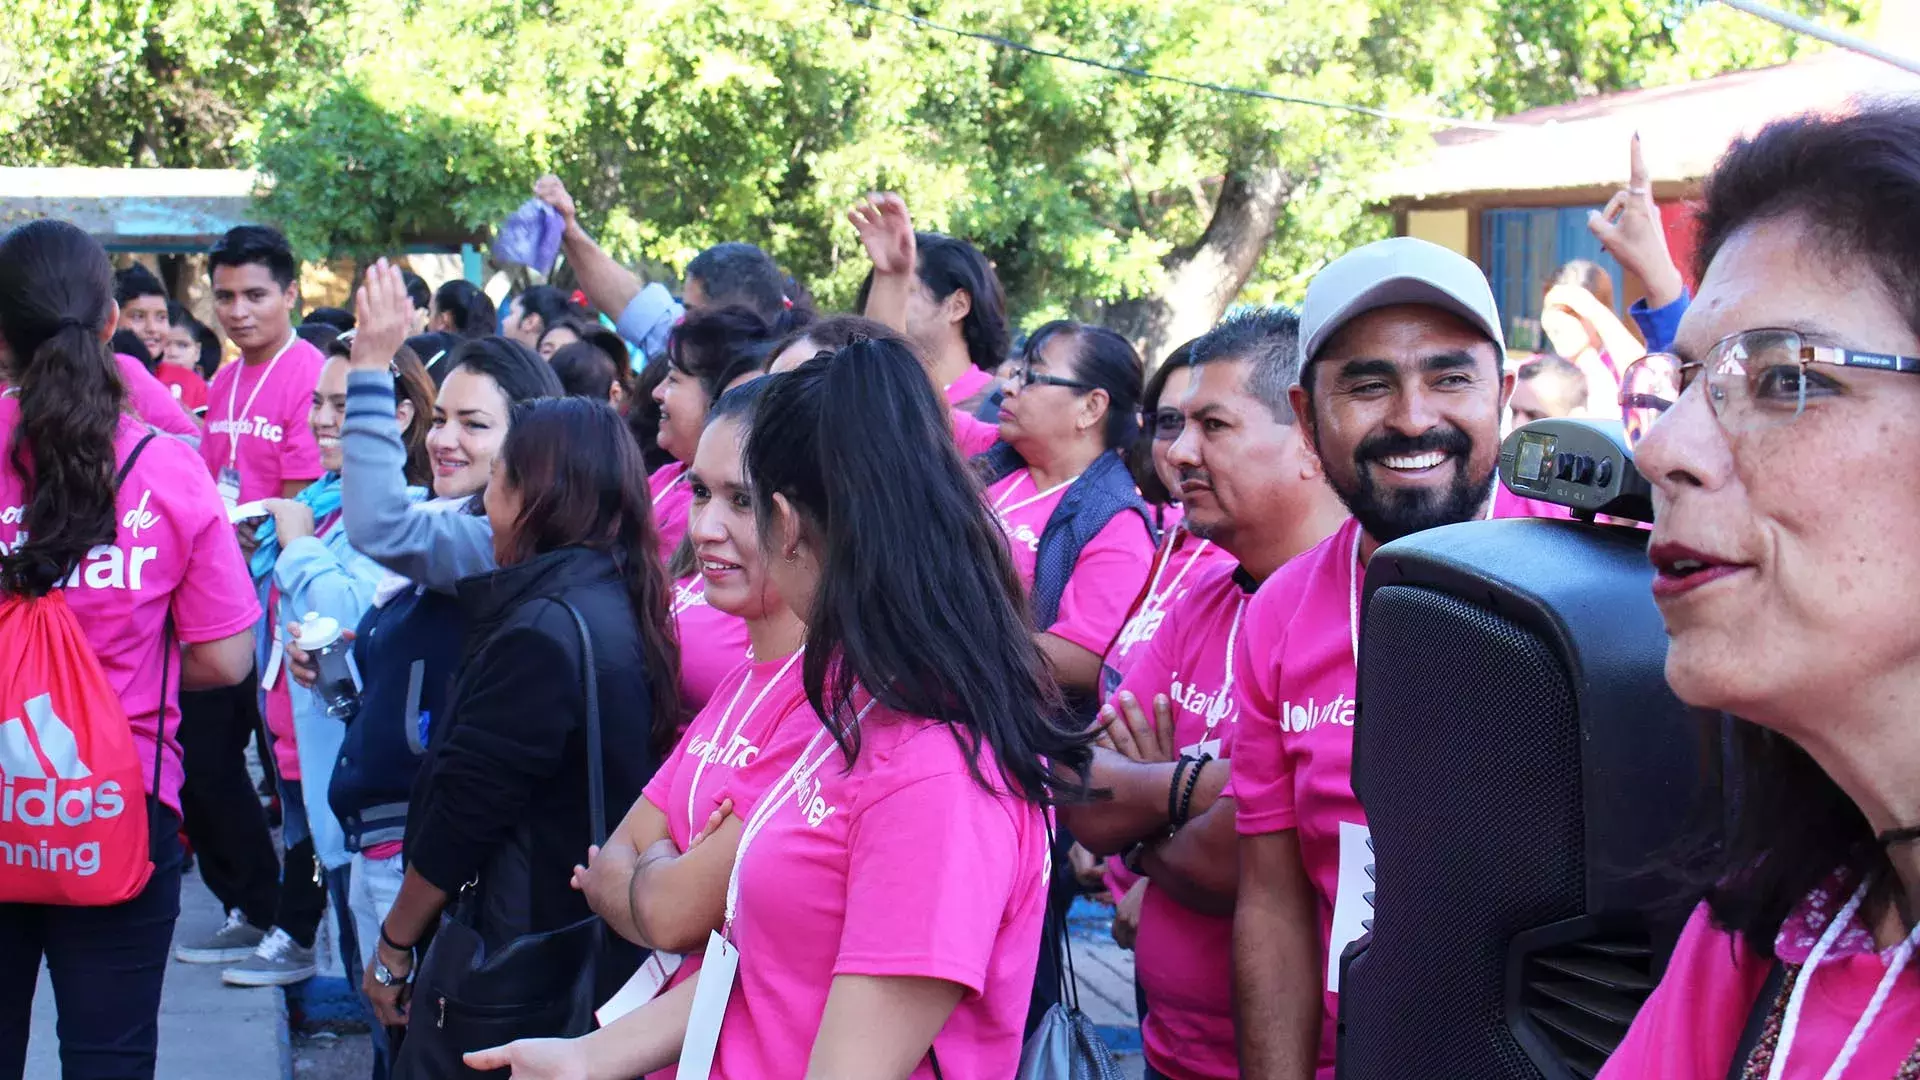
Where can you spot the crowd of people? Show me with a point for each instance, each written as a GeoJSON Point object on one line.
{"type": "Point", "coordinates": [766, 685]}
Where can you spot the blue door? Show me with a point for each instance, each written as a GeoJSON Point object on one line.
{"type": "Point", "coordinates": [1521, 250]}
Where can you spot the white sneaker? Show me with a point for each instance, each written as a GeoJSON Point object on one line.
{"type": "Point", "coordinates": [235, 940]}
{"type": "Point", "coordinates": [277, 962]}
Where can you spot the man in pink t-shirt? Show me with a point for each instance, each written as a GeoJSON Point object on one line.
{"type": "Point", "coordinates": [1250, 485]}
{"type": "Point", "coordinates": [257, 445]}
{"type": "Point", "coordinates": [1401, 392]}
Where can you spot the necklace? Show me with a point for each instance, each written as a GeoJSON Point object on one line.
{"type": "Point", "coordinates": [1769, 1058]}
{"type": "Point", "coordinates": [1000, 506]}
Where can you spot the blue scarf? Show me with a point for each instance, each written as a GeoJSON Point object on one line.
{"type": "Point", "coordinates": [323, 496]}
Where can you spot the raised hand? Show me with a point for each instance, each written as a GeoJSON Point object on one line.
{"type": "Point", "coordinates": [548, 189]}
{"type": "Point", "coordinates": [1631, 231]}
{"type": "Point", "coordinates": [383, 315]}
{"type": "Point", "coordinates": [886, 231]}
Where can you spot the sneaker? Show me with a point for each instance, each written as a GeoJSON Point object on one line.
{"type": "Point", "coordinates": [234, 941]}
{"type": "Point", "coordinates": [277, 962]}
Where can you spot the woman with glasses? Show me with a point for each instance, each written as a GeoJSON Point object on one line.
{"type": "Point", "coordinates": [1081, 537]}
{"type": "Point", "coordinates": [1783, 488]}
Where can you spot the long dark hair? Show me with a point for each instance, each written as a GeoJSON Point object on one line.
{"type": "Point", "coordinates": [834, 333]}
{"type": "Point", "coordinates": [1140, 458]}
{"type": "Point", "coordinates": [56, 292]}
{"type": "Point", "coordinates": [947, 264]}
{"type": "Point", "coordinates": [918, 602]}
{"type": "Point", "coordinates": [470, 308]}
{"type": "Point", "coordinates": [718, 345]}
{"type": "Point", "coordinates": [581, 484]}
{"type": "Point", "coordinates": [519, 371]}
{"type": "Point", "coordinates": [549, 303]}
{"type": "Point", "coordinates": [643, 416]}
{"type": "Point", "coordinates": [1854, 181]}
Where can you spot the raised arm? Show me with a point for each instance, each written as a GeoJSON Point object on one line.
{"type": "Point", "coordinates": [434, 549]}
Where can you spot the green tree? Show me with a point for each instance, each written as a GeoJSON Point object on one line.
{"type": "Point", "coordinates": [1143, 203]}
{"type": "Point", "coordinates": [180, 84]}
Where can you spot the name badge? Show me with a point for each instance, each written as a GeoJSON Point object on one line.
{"type": "Point", "coordinates": [717, 970]}
{"type": "Point", "coordinates": [645, 985]}
{"type": "Point", "coordinates": [274, 660]}
{"type": "Point", "coordinates": [1208, 747]}
{"type": "Point", "coordinates": [229, 485]}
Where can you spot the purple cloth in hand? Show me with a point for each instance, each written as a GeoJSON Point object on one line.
{"type": "Point", "coordinates": [530, 237]}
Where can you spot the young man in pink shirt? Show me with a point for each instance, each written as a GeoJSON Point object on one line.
{"type": "Point", "coordinates": [1250, 484]}
{"type": "Point", "coordinates": [1401, 392]}
{"type": "Point", "coordinates": [258, 445]}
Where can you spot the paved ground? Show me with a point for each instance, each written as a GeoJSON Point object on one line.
{"type": "Point", "coordinates": [1105, 979]}
{"type": "Point", "coordinates": [209, 1030]}
{"type": "Point", "coordinates": [206, 1029]}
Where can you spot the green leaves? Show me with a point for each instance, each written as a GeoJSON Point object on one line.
{"type": "Point", "coordinates": [680, 123]}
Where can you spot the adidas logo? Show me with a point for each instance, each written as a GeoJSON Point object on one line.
{"type": "Point", "coordinates": [39, 769]}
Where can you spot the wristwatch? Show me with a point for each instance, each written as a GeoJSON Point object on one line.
{"type": "Point", "coordinates": [385, 976]}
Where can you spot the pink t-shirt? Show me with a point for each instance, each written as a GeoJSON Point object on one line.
{"type": "Point", "coordinates": [973, 435]}
{"type": "Point", "coordinates": [1177, 565]}
{"type": "Point", "coordinates": [270, 443]}
{"type": "Point", "coordinates": [1691, 1026]}
{"type": "Point", "coordinates": [1183, 958]}
{"type": "Point", "coordinates": [172, 552]}
{"type": "Point", "coordinates": [902, 865]}
{"type": "Point", "coordinates": [967, 386]}
{"type": "Point", "coordinates": [1110, 572]}
{"type": "Point", "coordinates": [1294, 684]}
{"type": "Point", "coordinates": [153, 399]}
{"type": "Point", "coordinates": [713, 644]}
{"type": "Point", "coordinates": [728, 733]}
{"type": "Point", "coordinates": [672, 502]}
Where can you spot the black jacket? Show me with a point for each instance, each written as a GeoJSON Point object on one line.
{"type": "Point", "coordinates": [502, 794]}
{"type": "Point", "coordinates": [408, 652]}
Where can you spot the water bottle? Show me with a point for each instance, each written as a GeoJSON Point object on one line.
{"type": "Point", "coordinates": [321, 639]}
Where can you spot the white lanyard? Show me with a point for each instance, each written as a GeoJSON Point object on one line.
{"type": "Point", "coordinates": [678, 478]}
{"type": "Point", "coordinates": [1218, 710]}
{"type": "Point", "coordinates": [233, 396]}
{"type": "Point", "coordinates": [1000, 507]}
{"type": "Point", "coordinates": [1353, 597]}
{"type": "Point", "coordinates": [721, 738]}
{"type": "Point", "coordinates": [1156, 598]}
{"type": "Point", "coordinates": [799, 773]}
{"type": "Point", "coordinates": [1790, 1022]}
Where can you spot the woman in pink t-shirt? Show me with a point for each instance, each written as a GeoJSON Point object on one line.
{"type": "Point", "coordinates": [888, 889]}
{"type": "Point", "coordinates": [153, 575]}
{"type": "Point", "coordinates": [1070, 417]}
{"type": "Point", "coordinates": [1784, 489]}
{"type": "Point", "coordinates": [706, 353]}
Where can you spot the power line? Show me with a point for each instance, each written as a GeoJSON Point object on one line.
{"type": "Point", "coordinates": [1830, 36]}
{"type": "Point", "coordinates": [1428, 119]}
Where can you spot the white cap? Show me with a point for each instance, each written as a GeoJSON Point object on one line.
{"type": "Point", "coordinates": [1402, 270]}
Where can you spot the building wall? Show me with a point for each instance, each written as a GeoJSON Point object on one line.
{"type": "Point", "coordinates": [1448, 228]}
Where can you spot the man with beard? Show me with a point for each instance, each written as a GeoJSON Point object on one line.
{"type": "Point", "coordinates": [1250, 483]}
{"type": "Point", "coordinates": [1401, 392]}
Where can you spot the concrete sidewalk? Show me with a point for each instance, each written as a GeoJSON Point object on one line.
{"type": "Point", "coordinates": [206, 1029]}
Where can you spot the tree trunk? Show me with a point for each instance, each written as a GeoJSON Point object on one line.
{"type": "Point", "coordinates": [1204, 277]}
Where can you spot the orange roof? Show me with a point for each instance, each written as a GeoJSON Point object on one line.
{"type": "Point", "coordinates": [1684, 129]}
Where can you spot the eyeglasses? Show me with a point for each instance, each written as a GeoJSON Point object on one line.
{"type": "Point", "coordinates": [1754, 379]}
{"type": "Point", "coordinates": [1166, 424]}
{"type": "Point", "coordinates": [1023, 377]}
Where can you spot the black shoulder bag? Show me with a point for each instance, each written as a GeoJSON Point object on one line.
{"type": "Point", "coordinates": [470, 995]}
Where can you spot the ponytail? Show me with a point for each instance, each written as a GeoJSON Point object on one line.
{"type": "Point", "coordinates": [56, 288]}
{"type": "Point", "coordinates": [918, 603]}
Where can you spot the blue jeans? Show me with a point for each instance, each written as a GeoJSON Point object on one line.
{"type": "Point", "coordinates": [107, 965]}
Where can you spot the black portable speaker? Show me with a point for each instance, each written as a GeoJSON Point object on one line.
{"type": "Point", "coordinates": [1526, 774]}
